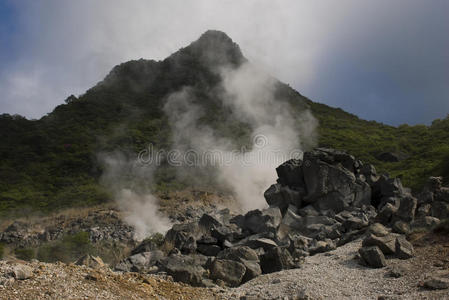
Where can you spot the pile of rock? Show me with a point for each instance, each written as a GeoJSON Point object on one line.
{"type": "Point", "coordinates": [323, 201]}
{"type": "Point", "coordinates": [102, 225]}
{"type": "Point", "coordinates": [433, 204]}
{"type": "Point", "coordinates": [381, 243]}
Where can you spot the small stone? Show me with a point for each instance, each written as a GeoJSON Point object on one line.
{"type": "Point", "coordinates": [397, 271]}
{"type": "Point", "coordinates": [22, 272]}
{"type": "Point", "coordinates": [92, 277]}
{"type": "Point", "coordinates": [436, 283]}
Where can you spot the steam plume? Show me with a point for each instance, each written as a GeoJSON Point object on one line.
{"type": "Point", "coordinates": [129, 181]}
{"type": "Point", "coordinates": [250, 94]}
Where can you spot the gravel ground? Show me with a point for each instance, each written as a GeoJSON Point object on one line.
{"type": "Point", "coordinates": [338, 275]}
{"type": "Point", "coordinates": [61, 281]}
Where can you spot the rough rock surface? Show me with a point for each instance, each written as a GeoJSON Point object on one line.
{"type": "Point", "coordinates": [373, 257]}
{"type": "Point", "coordinates": [317, 204]}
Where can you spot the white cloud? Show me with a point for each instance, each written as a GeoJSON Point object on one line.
{"type": "Point", "coordinates": [73, 44]}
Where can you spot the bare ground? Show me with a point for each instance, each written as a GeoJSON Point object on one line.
{"type": "Point", "coordinates": [61, 281]}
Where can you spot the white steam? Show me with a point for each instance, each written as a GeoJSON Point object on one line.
{"type": "Point", "coordinates": [250, 94]}
{"type": "Point", "coordinates": [142, 213]}
{"type": "Point", "coordinates": [129, 181]}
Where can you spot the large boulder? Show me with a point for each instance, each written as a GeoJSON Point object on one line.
{"type": "Point", "coordinates": [386, 213]}
{"type": "Point", "coordinates": [425, 223]}
{"type": "Point", "coordinates": [442, 195]}
{"type": "Point", "coordinates": [267, 220]}
{"type": "Point", "coordinates": [401, 227]}
{"type": "Point", "coordinates": [404, 249]}
{"type": "Point", "coordinates": [378, 229]}
{"type": "Point", "coordinates": [140, 262]}
{"type": "Point", "coordinates": [257, 241]}
{"type": "Point", "coordinates": [290, 174]}
{"type": "Point", "coordinates": [183, 237]}
{"type": "Point", "coordinates": [230, 271]}
{"type": "Point", "coordinates": [281, 196]}
{"type": "Point", "coordinates": [22, 272]}
{"type": "Point", "coordinates": [184, 268]}
{"type": "Point", "coordinates": [276, 259]}
{"type": "Point", "coordinates": [208, 249]}
{"type": "Point", "coordinates": [94, 262]}
{"type": "Point", "coordinates": [245, 255]}
{"type": "Point", "coordinates": [330, 187]}
{"type": "Point", "coordinates": [369, 173]}
{"type": "Point", "coordinates": [385, 243]}
{"type": "Point", "coordinates": [388, 187]}
{"type": "Point", "coordinates": [239, 253]}
{"type": "Point", "coordinates": [440, 210]}
{"type": "Point", "coordinates": [373, 256]}
{"type": "Point", "coordinates": [406, 210]}
{"type": "Point", "coordinates": [316, 247]}
{"type": "Point", "coordinates": [310, 226]}
{"type": "Point", "coordinates": [145, 246]}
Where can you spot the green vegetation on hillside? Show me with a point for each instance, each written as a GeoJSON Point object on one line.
{"type": "Point", "coordinates": [425, 148]}
{"type": "Point", "coordinates": [53, 162]}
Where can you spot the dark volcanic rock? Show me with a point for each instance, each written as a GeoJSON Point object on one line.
{"type": "Point", "coordinates": [282, 196]}
{"type": "Point", "coordinates": [290, 174]}
{"type": "Point", "coordinates": [440, 210]}
{"type": "Point", "coordinates": [184, 268]}
{"type": "Point", "coordinates": [386, 243]}
{"type": "Point", "coordinates": [255, 242]}
{"type": "Point", "coordinates": [407, 208]}
{"type": "Point", "coordinates": [276, 259]}
{"type": "Point", "coordinates": [145, 246]}
{"type": "Point", "coordinates": [321, 246]}
{"type": "Point", "coordinates": [267, 220]}
{"type": "Point", "coordinates": [239, 253]}
{"type": "Point", "coordinates": [140, 262]}
{"type": "Point", "coordinates": [401, 227]}
{"type": "Point", "coordinates": [437, 283]}
{"type": "Point", "coordinates": [208, 250]}
{"type": "Point", "coordinates": [183, 237]}
{"type": "Point", "coordinates": [373, 257]}
{"type": "Point", "coordinates": [404, 249]}
{"type": "Point", "coordinates": [245, 255]}
{"type": "Point", "coordinates": [230, 271]}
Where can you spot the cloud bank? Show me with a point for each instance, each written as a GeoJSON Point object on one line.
{"type": "Point", "coordinates": [382, 60]}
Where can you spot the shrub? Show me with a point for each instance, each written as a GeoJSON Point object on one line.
{"type": "Point", "coordinates": [70, 248]}
{"type": "Point", "coordinates": [157, 239]}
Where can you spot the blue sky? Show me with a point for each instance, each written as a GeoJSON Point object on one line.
{"type": "Point", "coordinates": [381, 60]}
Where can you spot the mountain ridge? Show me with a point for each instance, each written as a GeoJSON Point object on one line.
{"type": "Point", "coordinates": [52, 162]}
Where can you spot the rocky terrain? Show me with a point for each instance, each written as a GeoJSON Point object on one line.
{"type": "Point", "coordinates": [333, 228]}
{"type": "Point", "coordinates": [20, 280]}
{"type": "Point", "coordinates": [318, 204]}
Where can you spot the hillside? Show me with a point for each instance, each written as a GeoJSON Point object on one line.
{"type": "Point", "coordinates": [55, 162]}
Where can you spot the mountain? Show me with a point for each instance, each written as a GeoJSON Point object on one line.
{"type": "Point", "coordinates": [53, 162]}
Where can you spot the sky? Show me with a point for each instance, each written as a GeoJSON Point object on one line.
{"type": "Point", "coordinates": [383, 60]}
